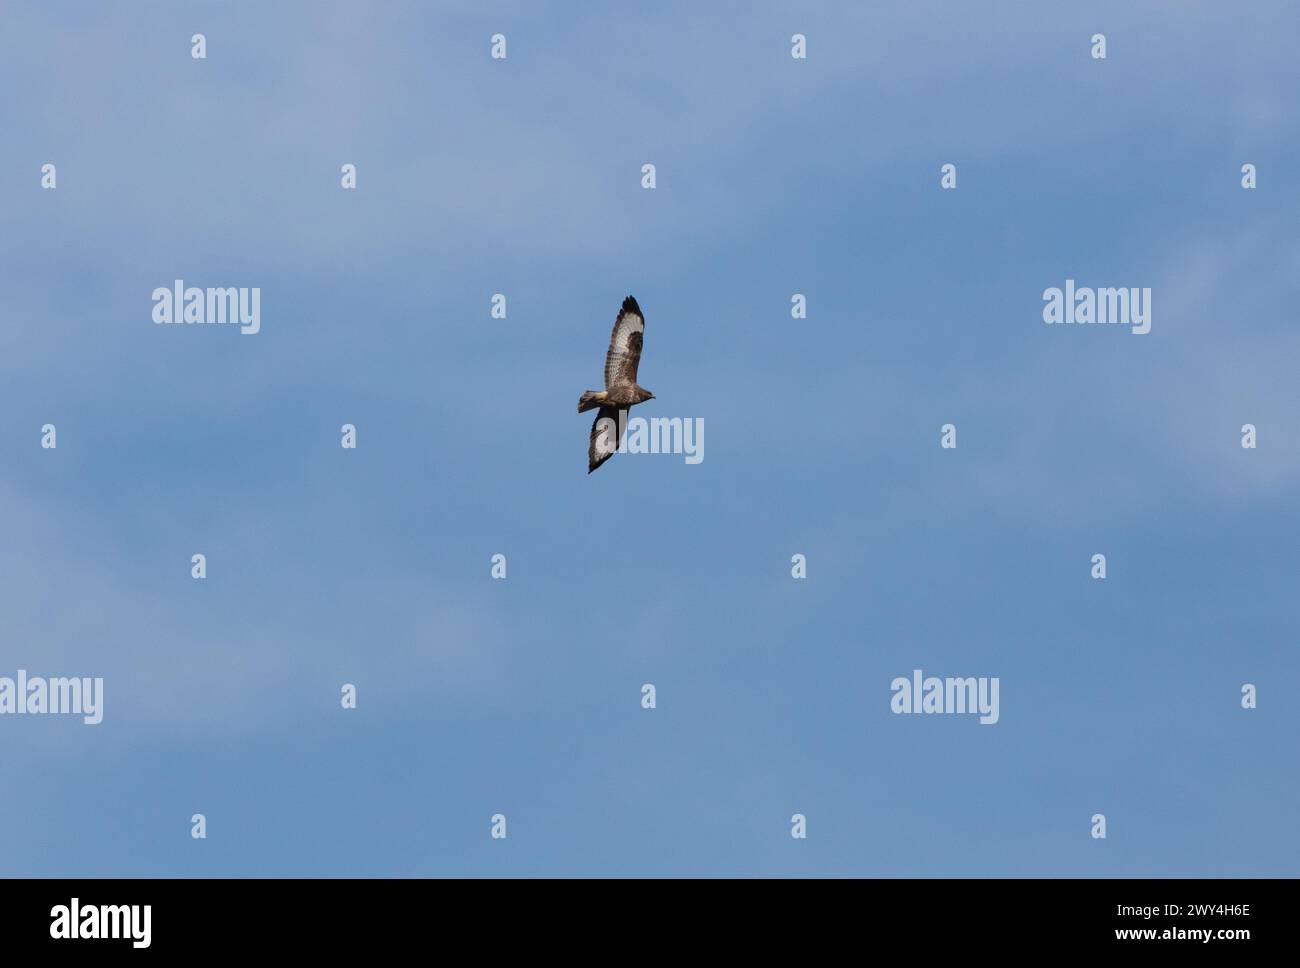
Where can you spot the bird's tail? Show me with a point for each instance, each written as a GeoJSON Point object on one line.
{"type": "Point", "coordinates": [590, 400]}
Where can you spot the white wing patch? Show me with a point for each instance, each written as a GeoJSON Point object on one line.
{"type": "Point", "coordinates": [604, 438]}
{"type": "Point", "coordinates": [631, 323]}
{"type": "Point", "coordinates": [622, 353]}
{"type": "Point", "coordinates": [606, 435]}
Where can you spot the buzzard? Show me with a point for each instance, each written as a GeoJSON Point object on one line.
{"type": "Point", "coordinates": [621, 390]}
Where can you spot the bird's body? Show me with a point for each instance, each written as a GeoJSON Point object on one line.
{"type": "Point", "coordinates": [621, 390]}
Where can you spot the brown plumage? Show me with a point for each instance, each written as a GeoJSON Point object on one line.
{"type": "Point", "coordinates": [621, 390]}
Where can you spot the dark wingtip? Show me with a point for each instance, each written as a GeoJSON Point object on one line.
{"type": "Point", "coordinates": [630, 305]}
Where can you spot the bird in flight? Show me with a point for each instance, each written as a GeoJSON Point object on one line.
{"type": "Point", "coordinates": [621, 391]}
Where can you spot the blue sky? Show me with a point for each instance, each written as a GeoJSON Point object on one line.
{"type": "Point", "coordinates": [522, 696]}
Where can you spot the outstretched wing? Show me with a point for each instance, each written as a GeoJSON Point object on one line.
{"type": "Point", "coordinates": [624, 354]}
{"type": "Point", "coordinates": [604, 438]}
